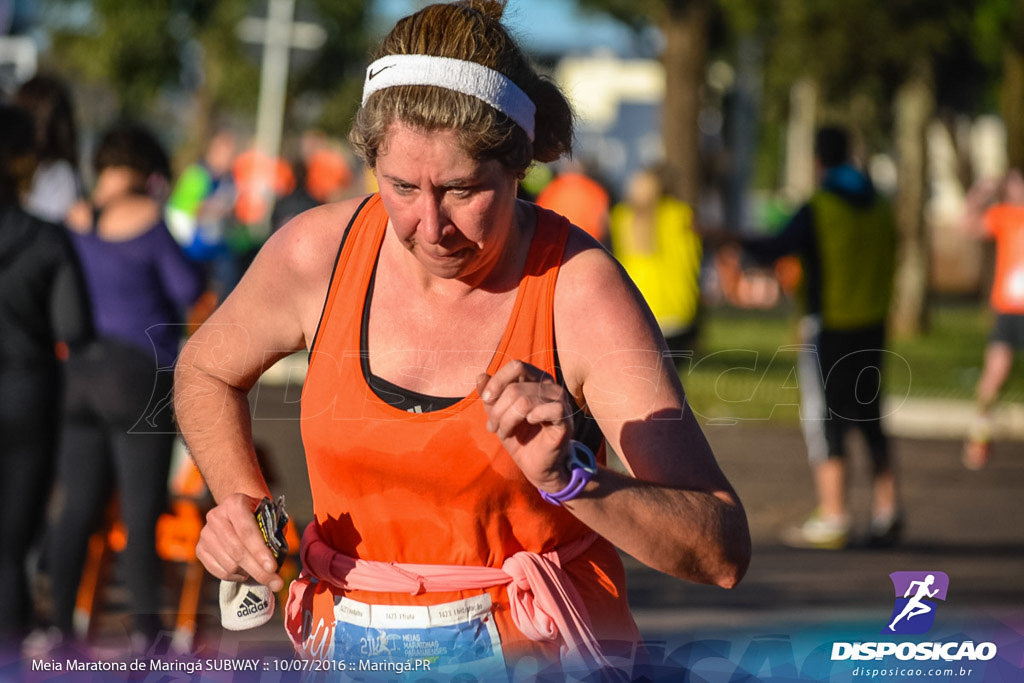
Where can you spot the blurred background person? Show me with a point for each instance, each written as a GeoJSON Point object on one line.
{"type": "Point", "coordinates": [580, 198]}
{"type": "Point", "coordinates": [654, 238]}
{"type": "Point", "coordinates": [57, 182]}
{"type": "Point", "coordinates": [118, 432]}
{"type": "Point", "coordinates": [846, 239]}
{"type": "Point", "coordinates": [995, 210]}
{"type": "Point", "coordinates": [42, 301]}
{"type": "Point", "coordinates": [261, 181]}
{"type": "Point", "coordinates": [323, 175]}
{"type": "Point", "coordinates": [328, 176]}
{"type": "Point", "coordinates": [199, 211]}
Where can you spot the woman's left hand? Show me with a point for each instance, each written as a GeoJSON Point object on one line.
{"type": "Point", "coordinates": [532, 415]}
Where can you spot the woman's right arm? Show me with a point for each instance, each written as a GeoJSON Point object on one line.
{"type": "Point", "coordinates": [272, 313]}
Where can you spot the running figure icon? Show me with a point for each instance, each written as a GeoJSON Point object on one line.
{"type": "Point", "coordinates": [916, 605]}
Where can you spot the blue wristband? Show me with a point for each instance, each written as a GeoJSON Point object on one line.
{"type": "Point", "coordinates": [582, 467]}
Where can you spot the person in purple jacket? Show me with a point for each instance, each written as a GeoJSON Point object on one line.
{"type": "Point", "coordinates": [118, 431]}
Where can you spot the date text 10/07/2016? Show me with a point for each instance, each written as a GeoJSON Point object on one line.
{"type": "Point", "coordinates": [354, 665]}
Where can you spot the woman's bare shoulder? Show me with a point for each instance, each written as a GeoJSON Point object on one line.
{"type": "Point", "coordinates": [590, 276]}
{"type": "Point", "coordinates": [289, 277]}
{"type": "Point", "coordinates": [598, 309]}
{"type": "Point", "coordinates": [308, 244]}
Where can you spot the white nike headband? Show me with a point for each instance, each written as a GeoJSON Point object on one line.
{"type": "Point", "coordinates": [468, 78]}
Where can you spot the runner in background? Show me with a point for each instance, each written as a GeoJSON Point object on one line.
{"type": "Point", "coordinates": [995, 210]}
{"type": "Point", "coordinates": [580, 198]}
{"type": "Point", "coordinates": [845, 237]}
{"type": "Point", "coordinates": [260, 182]}
{"type": "Point", "coordinates": [322, 175]}
{"type": "Point", "coordinates": [200, 208]}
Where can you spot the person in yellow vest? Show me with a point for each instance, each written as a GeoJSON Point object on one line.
{"type": "Point", "coordinates": [845, 237]}
{"type": "Point", "coordinates": [653, 237]}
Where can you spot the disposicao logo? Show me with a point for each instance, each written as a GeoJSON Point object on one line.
{"type": "Point", "coordinates": [916, 593]}
{"type": "Point", "coordinates": [914, 613]}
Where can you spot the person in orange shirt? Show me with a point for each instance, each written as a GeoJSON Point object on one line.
{"type": "Point", "coordinates": [1002, 221]}
{"type": "Point", "coordinates": [473, 359]}
{"type": "Point", "coordinates": [581, 199]}
{"type": "Point", "coordinates": [328, 175]}
{"type": "Point", "coordinates": [258, 178]}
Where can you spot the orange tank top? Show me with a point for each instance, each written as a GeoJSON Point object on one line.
{"type": "Point", "coordinates": [437, 487]}
{"type": "Point", "coordinates": [1005, 222]}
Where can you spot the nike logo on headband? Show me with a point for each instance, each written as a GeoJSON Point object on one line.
{"type": "Point", "coordinates": [373, 74]}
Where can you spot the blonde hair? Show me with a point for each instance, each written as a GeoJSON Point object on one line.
{"type": "Point", "coordinates": [469, 30]}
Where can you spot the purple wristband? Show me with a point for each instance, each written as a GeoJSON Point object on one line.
{"type": "Point", "coordinates": [582, 467]}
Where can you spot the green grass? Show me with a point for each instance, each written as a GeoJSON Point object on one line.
{"type": "Point", "coordinates": [744, 367]}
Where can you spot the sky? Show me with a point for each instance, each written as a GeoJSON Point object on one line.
{"type": "Point", "coordinates": [546, 26]}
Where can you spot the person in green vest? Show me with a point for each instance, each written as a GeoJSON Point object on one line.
{"type": "Point", "coordinates": [845, 237]}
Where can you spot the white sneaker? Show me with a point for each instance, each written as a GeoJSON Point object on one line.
{"type": "Point", "coordinates": [817, 531]}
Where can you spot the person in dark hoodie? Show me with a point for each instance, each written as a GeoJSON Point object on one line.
{"type": "Point", "coordinates": [43, 306]}
{"type": "Point", "coordinates": [118, 431]}
{"type": "Point", "coordinates": [845, 237]}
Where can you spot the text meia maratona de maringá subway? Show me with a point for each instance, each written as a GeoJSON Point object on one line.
{"type": "Point", "coordinates": [186, 665]}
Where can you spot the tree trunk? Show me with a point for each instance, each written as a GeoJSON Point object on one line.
{"type": "Point", "coordinates": [1013, 104]}
{"type": "Point", "coordinates": [799, 171]}
{"type": "Point", "coordinates": [915, 103]}
{"type": "Point", "coordinates": [685, 27]}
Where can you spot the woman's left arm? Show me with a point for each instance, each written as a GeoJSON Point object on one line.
{"type": "Point", "coordinates": [675, 510]}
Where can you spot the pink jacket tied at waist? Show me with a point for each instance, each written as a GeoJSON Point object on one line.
{"type": "Point", "coordinates": [545, 604]}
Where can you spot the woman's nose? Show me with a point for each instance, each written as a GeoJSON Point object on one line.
{"type": "Point", "coordinates": [434, 220]}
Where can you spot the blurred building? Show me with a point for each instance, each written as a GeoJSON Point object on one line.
{"type": "Point", "coordinates": [618, 102]}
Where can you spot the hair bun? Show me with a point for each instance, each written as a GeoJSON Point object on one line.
{"type": "Point", "coordinates": [492, 9]}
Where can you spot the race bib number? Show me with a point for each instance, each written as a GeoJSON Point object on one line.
{"type": "Point", "coordinates": [456, 637]}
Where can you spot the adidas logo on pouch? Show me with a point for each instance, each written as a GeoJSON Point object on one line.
{"type": "Point", "coordinates": [252, 604]}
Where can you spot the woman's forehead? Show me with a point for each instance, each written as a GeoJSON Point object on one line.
{"type": "Point", "coordinates": [403, 143]}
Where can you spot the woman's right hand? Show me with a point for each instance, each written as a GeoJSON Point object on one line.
{"type": "Point", "coordinates": [231, 546]}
